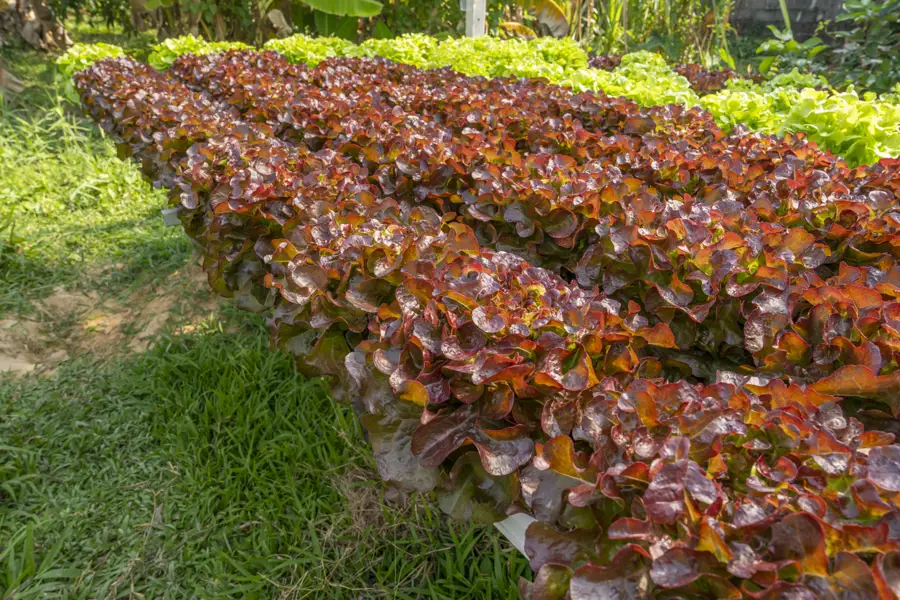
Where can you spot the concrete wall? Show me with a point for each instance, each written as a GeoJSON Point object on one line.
{"type": "Point", "coordinates": [805, 14]}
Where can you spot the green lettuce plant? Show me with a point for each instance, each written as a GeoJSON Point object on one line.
{"type": "Point", "coordinates": [166, 52]}
{"type": "Point", "coordinates": [302, 49]}
{"type": "Point", "coordinates": [81, 56]}
{"type": "Point", "coordinates": [412, 49]}
{"type": "Point", "coordinates": [861, 129]}
{"type": "Point", "coordinates": [642, 76]}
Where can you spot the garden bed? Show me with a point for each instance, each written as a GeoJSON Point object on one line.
{"type": "Point", "coordinates": [673, 346]}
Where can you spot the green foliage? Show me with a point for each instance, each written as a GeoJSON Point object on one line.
{"type": "Point", "coordinates": [346, 8]}
{"type": "Point", "coordinates": [309, 50]}
{"type": "Point", "coordinates": [329, 25]}
{"type": "Point", "coordinates": [79, 56]}
{"type": "Point", "coordinates": [166, 52]}
{"type": "Point", "coordinates": [682, 30]}
{"type": "Point", "coordinates": [108, 12]}
{"type": "Point", "coordinates": [642, 76]}
{"type": "Point", "coordinates": [425, 16]}
{"type": "Point", "coordinates": [79, 216]}
{"type": "Point", "coordinates": [866, 36]}
{"type": "Point", "coordinates": [860, 129]}
{"type": "Point", "coordinates": [893, 95]}
{"type": "Point", "coordinates": [870, 43]}
{"type": "Point", "coordinates": [207, 467]}
{"type": "Point", "coordinates": [784, 52]}
{"type": "Point", "coordinates": [9, 241]}
{"type": "Point", "coordinates": [340, 18]}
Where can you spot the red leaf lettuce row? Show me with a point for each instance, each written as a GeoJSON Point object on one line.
{"type": "Point", "coordinates": [676, 349]}
{"type": "Point", "coordinates": [402, 175]}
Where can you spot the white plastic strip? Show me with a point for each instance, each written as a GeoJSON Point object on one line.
{"type": "Point", "coordinates": [170, 217]}
{"type": "Point", "coordinates": [513, 528]}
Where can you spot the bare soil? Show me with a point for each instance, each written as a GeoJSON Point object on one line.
{"type": "Point", "coordinates": [73, 323]}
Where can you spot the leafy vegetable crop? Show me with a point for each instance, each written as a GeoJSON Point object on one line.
{"type": "Point", "coordinates": [165, 52]}
{"type": "Point", "coordinates": [80, 56]}
{"type": "Point", "coordinates": [641, 76]}
{"type": "Point", "coordinates": [783, 104]}
{"type": "Point", "coordinates": [676, 348]}
{"type": "Point", "coordinates": [860, 129]}
{"type": "Point", "coordinates": [701, 79]}
{"type": "Point", "coordinates": [310, 51]}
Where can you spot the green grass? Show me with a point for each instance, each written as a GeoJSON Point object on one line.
{"type": "Point", "coordinates": [205, 467]}
{"type": "Point", "coordinates": [208, 468]}
{"type": "Point", "coordinates": [83, 217]}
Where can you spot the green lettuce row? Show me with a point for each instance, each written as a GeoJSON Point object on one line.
{"type": "Point", "coordinates": [165, 53]}
{"type": "Point", "coordinates": [861, 129]}
{"type": "Point", "coordinates": [81, 56]}
{"type": "Point", "coordinates": [643, 77]}
{"type": "Point", "coordinates": [485, 56]}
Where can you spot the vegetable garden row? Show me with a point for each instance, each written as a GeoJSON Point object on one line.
{"type": "Point", "coordinates": [676, 347]}
{"type": "Point", "coordinates": [860, 128]}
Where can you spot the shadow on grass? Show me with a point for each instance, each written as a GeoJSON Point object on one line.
{"type": "Point", "coordinates": [77, 209]}
{"type": "Point", "coordinates": [207, 467]}
{"type": "Point", "coordinates": [137, 256]}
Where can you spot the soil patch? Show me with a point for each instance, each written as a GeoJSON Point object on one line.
{"type": "Point", "coordinates": [71, 322]}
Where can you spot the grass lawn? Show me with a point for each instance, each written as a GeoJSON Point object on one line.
{"type": "Point", "coordinates": [151, 443]}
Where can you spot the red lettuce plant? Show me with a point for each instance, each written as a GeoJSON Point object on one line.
{"type": "Point", "coordinates": [606, 62]}
{"type": "Point", "coordinates": [677, 349]}
{"type": "Point", "coordinates": [708, 81]}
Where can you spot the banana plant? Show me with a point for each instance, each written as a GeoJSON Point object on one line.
{"type": "Point", "coordinates": [346, 8]}
{"type": "Point", "coordinates": [340, 18]}
{"type": "Point", "coordinates": [512, 29]}
{"type": "Point", "coordinates": [558, 17]}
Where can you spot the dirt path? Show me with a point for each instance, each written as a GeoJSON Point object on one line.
{"type": "Point", "coordinates": [71, 323]}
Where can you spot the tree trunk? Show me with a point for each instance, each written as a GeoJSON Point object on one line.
{"type": "Point", "coordinates": [9, 83]}
{"type": "Point", "coordinates": [34, 22]}
{"type": "Point", "coordinates": [139, 14]}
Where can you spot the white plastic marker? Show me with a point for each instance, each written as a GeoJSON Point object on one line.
{"type": "Point", "coordinates": [170, 217]}
{"type": "Point", "coordinates": [475, 10]}
{"type": "Point", "coordinates": [513, 528]}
